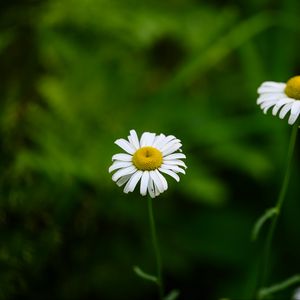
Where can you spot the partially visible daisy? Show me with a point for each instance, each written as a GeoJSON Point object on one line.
{"type": "Point", "coordinates": [145, 160]}
{"type": "Point", "coordinates": [283, 97]}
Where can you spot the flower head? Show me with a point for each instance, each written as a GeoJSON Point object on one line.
{"type": "Point", "coordinates": [284, 97]}
{"type": "Point", "coordinates": [145, 160]}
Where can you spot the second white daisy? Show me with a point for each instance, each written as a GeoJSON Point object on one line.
{"type": "Point", "coordinates": [145, 160]}
{"type": "Point", "coordinates": [283, 97]}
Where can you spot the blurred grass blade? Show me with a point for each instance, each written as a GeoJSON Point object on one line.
{"type": "Point", "coordinates": [261, 221]}
{"type": "Point", "coordinates": [172, 295]}
{"type": "Point", "coordinates": [139, 272]}
{"type": "Point", "coordinates": [265, 292]}
{"type": "Point", "coordinates": [239, 35]}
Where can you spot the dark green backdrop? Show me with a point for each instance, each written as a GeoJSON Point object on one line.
{"type": "Point", "coordinates": [78, 74]}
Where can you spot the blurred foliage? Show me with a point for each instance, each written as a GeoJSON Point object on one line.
{"type": "Point", "coordinates": [76, 75]}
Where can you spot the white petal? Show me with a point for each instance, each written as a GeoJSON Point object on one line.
{"type": "Point", "coordinates": [122, 157]}
{"type": "Point", "coordinates": [285, 110]}
{"type": "Point", "coordinates": [266, 106]}
{"type": "Point", "coordinates": [156, 191]}
{"type": "Point", "coordinates": [175, 162]}
{"type": "Point", "coordinates": [274, 84]}
{"type": "Point", "coordinates": [131, 184]}
{"type": "Point", "coordinates": [295, 111]}
{"type": "Point", "coordinates": [170, 138]}
{"type": "Point", "coordinates": [134, 139]}
{"type": "Point", "coordinates": [268, 103]}
{"type": "Point", "coordinates": [144, 183]}
{"type": "Point", "coordinates": [166, 140]}
{"type": "Point", "coordinates": [123, 172]}
{"type": "Point", "coordinates": [173, 168]}
{"type": "Point", "coordinates": [174, 156]}
{"type": "Point", "coordinates": [171, 173]}
{"type": "Point", "coordinates": [157, 182]}
{"type": "Point", "coordinates": [293, 118]}
{"type": "Point", "coordinates": [144, 139]}
{"type": "Point", "coordinates": [269, 89]}
{"type": "Point", "coordinates": [173, 148]}
{"type": "Point", "coordinates": [270, 97]}
{"type": "Point", "coordinates": [157, 141]}
{"type": "Point", "coordinates": [279, 104]}
{"type": "Point", "coordinates": [149, 139]}
{"type": "Point", "coordinates": [260, 100]}
{"type": "Point", "coordinates": [123, 180]}
{"type": "Point", "coordinates": [118, 165]}
{"type": "Point", "coordinates": [151, 189]}
{"type": "Point", "coordinates": [125, 146]}
{"type": "Point", "coordinates": [168, 143]}
{"type": "Point", "coordinates": [162, 179]}
{"type": "Point", "coordinates": [295, 107]}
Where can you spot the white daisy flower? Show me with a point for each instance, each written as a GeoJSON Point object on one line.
{"type": "Point", "coordinates": [283, 97]}
{"type": "Point", "coordinates": [145, 160]}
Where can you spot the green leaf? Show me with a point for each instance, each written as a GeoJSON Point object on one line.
{"type": "Point", "coordinates": [139, 272]}
{"type": "Point", "coordinates": [172, 295]}
{"type": "Point", "coordinates": [261, 221]}
{"type": "Point", "coordinates": [264, 292]}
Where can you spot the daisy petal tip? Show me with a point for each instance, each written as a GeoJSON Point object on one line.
{"type": "Point", "coordinates": [292, 119]}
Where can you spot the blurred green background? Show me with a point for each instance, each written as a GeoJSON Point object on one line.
{"type": "Point", "coordinates": [78, 74]}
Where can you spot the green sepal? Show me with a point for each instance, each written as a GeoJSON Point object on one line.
{"type": "Point", "coordinates": [267, 291]}
{"type": "Point", "coordinates": [173, 295]}
{"type": "Point", "coordinates": [139, 272]}
{"type": "Point", "coordinates": [262, 220]}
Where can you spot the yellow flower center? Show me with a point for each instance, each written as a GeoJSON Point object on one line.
{"type": "Point", "coordinates": [292, 88]}
{"type": "Point", "coordinates": [147, 158]}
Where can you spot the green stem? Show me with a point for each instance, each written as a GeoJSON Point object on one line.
{"type": "Point", "coordinates": [156, 249]}
{"type": "Point", "coordinates": [281, 197]}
